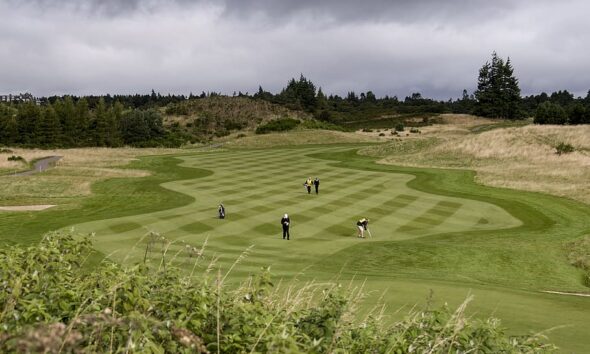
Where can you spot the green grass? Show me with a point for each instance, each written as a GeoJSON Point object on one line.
{"type": "Point", "coordinates": [432, 229]}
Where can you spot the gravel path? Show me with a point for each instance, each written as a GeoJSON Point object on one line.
{"type": "Point", "coordinates": [40, 165]}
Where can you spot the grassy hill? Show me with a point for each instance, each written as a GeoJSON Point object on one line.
{"type": "Point", "coordinates": [504, 154]}
{"type": "Point", "coordinates": [217, 116]}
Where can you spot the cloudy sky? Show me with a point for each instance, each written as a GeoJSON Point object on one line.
{"type": "Point", "coordinates": [392, 47]}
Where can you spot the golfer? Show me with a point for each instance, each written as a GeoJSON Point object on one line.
{"type": "Point", "coordinates": [308, 184]}
{"type": "Point", "coordinates": [316, 183]}
{"type": "Point", "coordinates": [285, 222]}
{"type": "Point", "coordinates": [221, 211]}
{"type": "Point", "coordinates": [361, 225]}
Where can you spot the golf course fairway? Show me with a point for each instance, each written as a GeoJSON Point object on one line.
{"type": "Point", "coordinates": [431, 230]}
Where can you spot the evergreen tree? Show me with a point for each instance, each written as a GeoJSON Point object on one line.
{"type": "Point", "coordinates": [300, 94]}
{"type": "Point", "coordinates": [66, 112]}
{"type": "Point", "coordinates": [27, 118]}
{"type": "Point", "coordinates": [498, 94]}
{"type": "Point", "coordinates": [81, 123]}
{"type": "Point", "coordinates": [48, 128]}
{"type": "Point", "coordinates": [8, 125]}
{"type": "Point", "coordinates": [100, 124]}
{"type": "Point", "coordinates": [114, 132]}
{"type": "Point", "coordinates": [550, 113]}
{"type": "Point", "coordinates": [321, 100]}
{"type": "Point", "coordinates": [576, 114]}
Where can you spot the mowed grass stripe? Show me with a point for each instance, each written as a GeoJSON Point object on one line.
{"type": "Point", "coordinates": [432, 217]}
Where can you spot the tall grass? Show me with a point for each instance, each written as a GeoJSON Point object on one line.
{"type": "Point", "coordinates": [49, 304]}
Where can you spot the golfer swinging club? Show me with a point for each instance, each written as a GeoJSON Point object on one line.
{"type": "Point", "coordinates": [361, 225]}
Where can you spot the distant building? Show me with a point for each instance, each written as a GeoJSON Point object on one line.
{"type": "Point", "coordinates": [20, 98]}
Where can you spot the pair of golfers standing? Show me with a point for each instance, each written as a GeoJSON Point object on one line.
{"type": "Point", "coordinates": [315, 183]}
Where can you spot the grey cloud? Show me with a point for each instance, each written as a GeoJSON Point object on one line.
{"type": "Point", "coordinates": [390, 47]}
{"type": "Point", "coordinates": [281, 10]}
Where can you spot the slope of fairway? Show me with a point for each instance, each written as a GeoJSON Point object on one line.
{"type": "Point", "coordinates": [256, 198]}
{"type": "Point", "coordinates": [432, 230]}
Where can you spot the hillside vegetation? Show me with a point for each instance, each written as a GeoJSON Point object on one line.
{"type": "Point", "coordinates": [515, 157]}
{"type": "Point", "coordinates": [51, 305]}
{"type": "Point", "coordinates": [217, 116]}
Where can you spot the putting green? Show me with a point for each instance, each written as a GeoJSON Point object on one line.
{"type": "Point", "coordinates": [432, 230]}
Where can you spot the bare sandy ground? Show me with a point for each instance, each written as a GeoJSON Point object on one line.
{"type": "Point", "coordinates": [25, 207]}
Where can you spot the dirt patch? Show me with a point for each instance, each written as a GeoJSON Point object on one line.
{"type": "Point", "coordinates": [26, 207]}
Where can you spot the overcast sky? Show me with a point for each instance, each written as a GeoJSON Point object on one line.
{"type": "Point", "coordinates": [392, 47]}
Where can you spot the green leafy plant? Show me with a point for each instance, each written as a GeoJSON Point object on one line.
{"type": "Point", "coordinates": [52, 303]}
{"type": "Point", "coordinates": [16, 158]}
{"type": "Point", "coordinates": [399, 127]}
{"type": "Point", "coordinates": [563, 148]}
{"type": "Point", "coordinates": [278, 125]}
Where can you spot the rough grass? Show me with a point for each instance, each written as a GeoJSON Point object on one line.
{"type": "Point", "coordinates": [297, 137]}
{"type": "Point", "coordinates": [72, 176]}
{"type": "Point", "coordinates": [579, 252]}
{"type": "Point", "coordinates": [515, 157]}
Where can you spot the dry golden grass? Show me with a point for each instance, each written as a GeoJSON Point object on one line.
{"type": "Point", "coordinates": [83, 157]}
{"type": "Point", "coordinates": [520, 157]}
{"type": "Point", "coordinates": [72, 176]}
{"type": "Point", "coordinates": [296, 137]}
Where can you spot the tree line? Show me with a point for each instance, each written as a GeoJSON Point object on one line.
{"type": "Point", "coordinates": [497, 95]}
{"type": "Point", "coordinates": [73, 123]}
{"type": "Point", "coordinates": [70, 121]}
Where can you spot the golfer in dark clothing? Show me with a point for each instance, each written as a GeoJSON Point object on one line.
{"type": "Point", "coordinates": [221, 211]}
{"type": "Point", "coordinates": [285, 222]}
{"type": "Point", "coordinates": [316, 183]}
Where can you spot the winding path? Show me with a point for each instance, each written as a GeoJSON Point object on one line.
{"type": "Point", "coordinates": [40, 166]}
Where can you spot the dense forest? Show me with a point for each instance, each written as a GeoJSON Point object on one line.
{"type": "Point", "coordinates": [137, 120]}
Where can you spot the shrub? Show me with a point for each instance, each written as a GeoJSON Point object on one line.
{"type": "Point", "coordinates": [278, 125]}
{"type": "Point", "coordinates": [550, 113]}
{"type": "Point", "coordinates": [5, 151]}
{"type": "Point", "coordinates": [381, 134]}
{"type": "Point", "coordinates": [415, 131]}
{"type": "Point", "coordinates": [563, 148]}
{"type": "Point", "coordinates": [16, 158]}
{"type": "Point", "coordinates": [316, 124]}
{"type": "Point", "coordinates": [399, 127]}
{"type": "Point", "coordinates": [52, 304]}
{"type": "Point", "coordinates": [367, 130]}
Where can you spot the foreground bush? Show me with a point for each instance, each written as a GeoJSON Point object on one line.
{"type": "Point", "coordinates": [50, 304]}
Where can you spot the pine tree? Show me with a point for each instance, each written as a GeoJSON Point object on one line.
{"type": "Point", "coordinates": [8, 125]}
{"type": "Point", "coordinates": [114, 131]}
{"type": "Point", "coordinates": [81, 123]}
{"type": "Point", "coordinates": [27, 119]}
{"type": "Point", "coordinates": [66, 111]}
{"type": "Point", "coordinates": [48, 128]}
{"type": "Point", "coordinates": [100, 124]}
{"type": "Point", "coordinates": [497, 94]}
